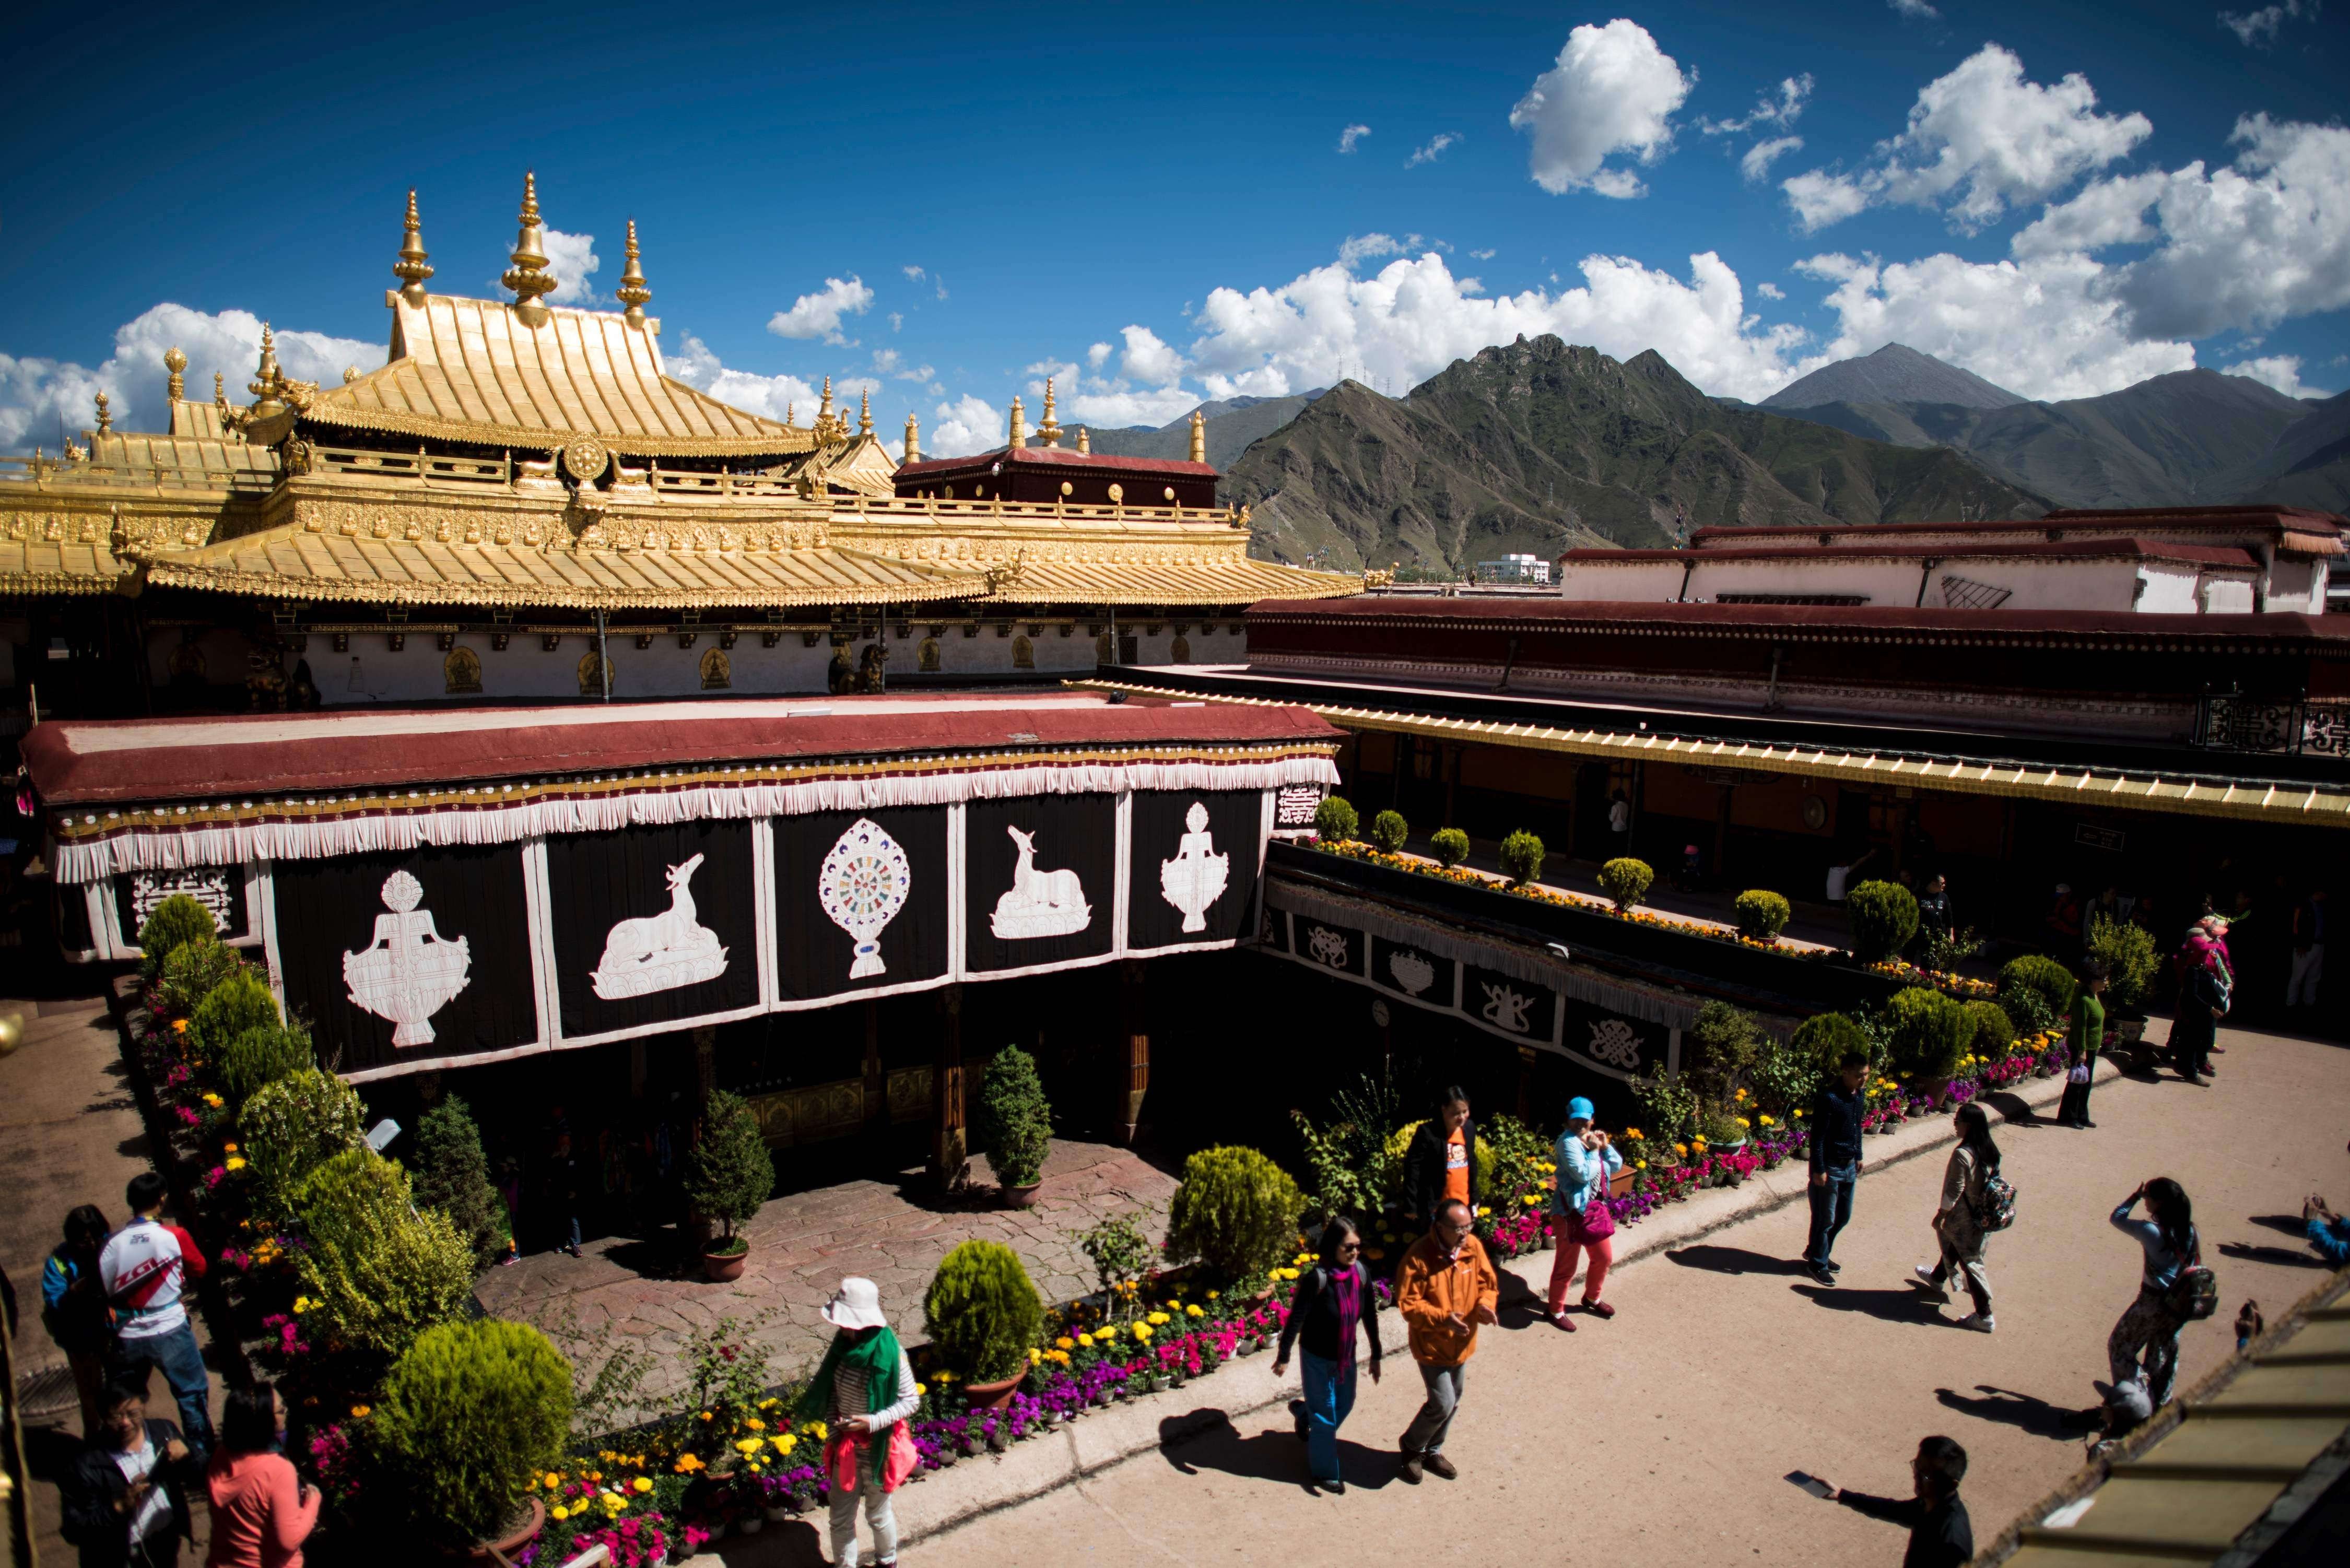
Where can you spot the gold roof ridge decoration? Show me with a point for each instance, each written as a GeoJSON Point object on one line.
{"type": "Point", "coordinates": [632, 292]}
{"type": "Point", "coordinates": [410, 268]}
{"type": "Point", "coordinates": [528, 277]}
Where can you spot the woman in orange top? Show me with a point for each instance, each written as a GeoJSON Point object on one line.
{"type": "Point", "coordinates": [1442, 1162]}
{"type": "Point", "coordinates": [262, 1511]}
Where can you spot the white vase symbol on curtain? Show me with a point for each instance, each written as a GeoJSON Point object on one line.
{"type": "Point", "coordinates": [862, 885]}
{"type": "Point", "coordinates": [1041, 903]}
{"type": "Point", "coordinates": [663, 952]}
{"type": "Point", "coordinates": [409, 972]}
{"type": "Point", "coordinates": [1195, 879]}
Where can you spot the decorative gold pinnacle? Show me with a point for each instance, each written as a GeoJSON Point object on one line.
{"type": "Point", "coordinates": [865, 413]}
{"type": "Point", "coordinates": [528, 276]}
{"type": "Point", "coordinates": [105, 419]}
{"type": "Point", "coordinates": [913, 440]}
{"type": "Point", "coordinates": [176, 362]}
{"type": "Point", "coordinates": [263, 385]}
{"type": "Point", "coordinates": [1084, 441]}
{"type": "Point", "coordinates": [410, 268]}
{"type": "Point", "coordinates": [1199, 436]}
{"type": "Point", "coordinates": [1019, 434]}
{"type": "Point", "coordinates": [1050, 429]}
{"type": "Point", "coordinates": [633, 291]}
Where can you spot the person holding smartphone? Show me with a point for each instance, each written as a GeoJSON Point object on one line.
{"type": "Point", "coordinates": [125, 1498]}
{"type": "Point", "coordinates": [1940, 1533]}
{"type": "Point", "coordinates": [1587, 1158]}
{"type": "Point", "coordinates": [262, 1511]}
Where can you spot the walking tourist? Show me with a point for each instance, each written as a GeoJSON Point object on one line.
{"type": "Point", "coordinates": [2327, 1231]}
{"type": "Point", "coordinates": [74, 1311]}
{"type": "Point", "coordinates": [1842, 877]}
{"type": "Point", "coordinates": [1586, 1159]}
{"type": "Point", "coordinates": [1619, 823]}
{"type": "Point", "coordinates": [1959, 1223]}
{"type": "Point", "coordinates": [261, 1510]}
{"type": "Point", "coordinates": [2144, 1346]}
{"type": "Point", "coordinates": [1329, 1301]}
{"type": "Point", "coordinates": [1442, 1162]}
{"type": "Point", "coordinates": [2084, 1038]}
{"type": "Point", "coordinates": [1934, 917]}
{"type": "Point", "coordinates": [125, 1495]}
{"type": "Point", "coordinates": [2308, 951]}
{"type": "Point", "coordinates": [2205, 993]}
{"type": "Point", "coordinates": [1836, 1113]}
{"type": "Point", "coordinates": [1446, 1289]}
{"type": "Point", "coordinates": [863, 1389]}
{"type": "Point", "coordinates": [146, 1267]}
{"type": "Point", "coordinates": [1940, 1533]}
{"type": "Point", "coordinates": [2250, 1325]}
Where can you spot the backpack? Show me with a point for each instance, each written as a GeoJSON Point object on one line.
{"type": "Point", "coordinates": [1996, 1208]}
{"type": "Point", "coordinates": [2194, 1295]}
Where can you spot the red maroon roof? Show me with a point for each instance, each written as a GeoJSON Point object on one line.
{"type": "Point", "coordinates": [84, 762]}
{"type": "Point", "coordinates": [1050, 457]}
{"type": "Point", "coordinates": [2263, 518]}
{"type": "Point", "coordinates": [2119, 548]}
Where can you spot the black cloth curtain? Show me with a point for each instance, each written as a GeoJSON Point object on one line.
{"type": "Point", "coordinates": [1159, 824]}
{"type": "Point", "coordinates": [1063, 908]}
{"type": "Point", "coordinates": [1612, 1040]}
{"type": "Point", "coordinates": [1408, 971]}
{"type": "Point", "coordinates": [1507, 1002]}
{"type": "Point", "coordinates": [328, 909]}
{"type": "Point", "coordinates": [220, 889]}
{"type": "Point", "coordinates": [1341, 948]}
{"type": "Point", "coordinates": [815, 953]}
{"type": "Point", "coordinates": [652, 925]}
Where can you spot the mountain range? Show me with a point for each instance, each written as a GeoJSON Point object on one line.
{"type": "Point", "coordinates": [1233, 425]}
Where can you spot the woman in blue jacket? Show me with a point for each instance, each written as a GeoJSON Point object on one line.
{"type": "Point", "coordinates": [1586, 1159]}
{"type": "Point", "coordinates": [2145, 1341]}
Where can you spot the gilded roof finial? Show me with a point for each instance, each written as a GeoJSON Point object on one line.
{"type": "Point", "coordinates": [1199, 436]}
{"type": "Point", "coordinates": [1050, 431]}
{"type": "Point", "coordinates": [1019, 437]}
{"type": "Point", "coordinates": [105, 419]}
{"type": "Point", "coordinates": [789, 409]}
{"type": "Point", "coordinates": [1084, 441]}
{"type": "Point", "coordinates": [410, 269]}
{"type": "Point", "coordinates": [351, 374]}
{"type": "Point", "coordinates": [633, 291]}
{"type": "Point", "coordinates": [528, 276]}
{"type": "Point", "coordinates": [913, 440]}
{"type": "Point", "coordinates": [263, 385]}
{"type": "Point", "coordinates": [824, 410]}
{"type": "Point", "coordinates": [865, 413]}
{"type": "Point", "coordinates": [175, 362]}
{"type": "Point", "coordinates": [220, 389]}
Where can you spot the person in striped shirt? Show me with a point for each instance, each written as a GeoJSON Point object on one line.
{"type": "Point", "coordinates": [145, 1268]}
{"type": "Point", "coordinates": [864, 1392]}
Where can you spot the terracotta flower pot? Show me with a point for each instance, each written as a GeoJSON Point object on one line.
{"type": "Point", "coordinates": [1017, 1197]}
{"type": "Point", "coordinates": [720, 1267]}
{"type": "Point", "coordinates": [994, 1396]}
{"type": "Point", "coordinates": [491, 1551]}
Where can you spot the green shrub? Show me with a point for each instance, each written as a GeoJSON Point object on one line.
{"type": "Point", "coordinates": [1518, 1154]}
{"type": "Point", "coordinates": [2128, 954]}
{"type": "Point", "coordinates": [730, 1172]}
{"type": "Point", "coordinates": [1790, 1072]}
{"type": "Point", "coordinates": [1928, 1033]}
{"type": "Point", "coordinates": [1719, 1126]}
{"type": "Point", "coordinates": [1994, 1031]}
{"type": "Point", "coordinates": [1121, 1254]}
{"type": "Point", "coordinates": [291, 1126]}
{"type": "Point", "coordinates": [194, 970]}
{"type": "Point", "coordinates": [1761, 914]}
{"type": "Point", "coordinates": [1522, 857]}
{"type": "Point", "coordinates": [453, 1176]}
{"type": "Point", "coordinates": [1884, 917]}
{"type": "Point", "coordinates": [1012, 1118]}
{"type": "Point", "coordinates": [468, 1420]}
{"type": "Point", "coordinates": [1388, 830]}
{"type": "Point", "coordinates": [1450, 845]}
{"type": "Point", "coordinates": [236, 1006]}
{"type": "Point", "coordinates": [982, 1311]}
{"type": "Point", "coordinates": [1348, 1157]}
{"type": "Point", "coordinates": [1237, 1211]}
{"type": "Point", "coordinates": [259, 1057]}
{"type": "Point", "coordinates": [2049, 982]}
{"type": "Point", "coordinates": [377, 1273]}
{"type": "Point", "coordinates": [1335, 820]}
{"type": "Point", "coordinates": [1824, 1039]}
{"type": "Point", "coordinates": [1668, 1108]}
{"type": "Point", "coordinates": [1719, 1050]}
{"type": "Point", "coordinates": [178, 918]}
{"type": "Point", "coordinates": [1625, 881]}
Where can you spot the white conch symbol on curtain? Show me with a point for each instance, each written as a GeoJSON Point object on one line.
{"type": "Point", "coordinates": [409, 972]}
{"type": "Point", "coordinates": [1195, 879]}
{"type": "Point", "coordinates": [663, 952]}
{"type": "Point", "coordinates": [1041, 903]}
{"type": "Point", "coordinates": [862, 885]}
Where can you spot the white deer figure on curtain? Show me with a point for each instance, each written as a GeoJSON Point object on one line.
{"type": "Point", "coordinates": [663, 952]}
{"type": "Point", "coordinates": [1041, 903]}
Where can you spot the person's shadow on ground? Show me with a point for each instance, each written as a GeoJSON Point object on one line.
{"type": "Point", "coordinates": [1886, 1306]}
{"type": "Point", "coordinates": [794, 1543]}
{"type": "Point", "coordinates": [1718, 1260]}
{"type": "Point", "coordinates": [2253, 1253]}
{"type": "Point", "coordinates": [2027, 1412]}
{"type": "Point", "coordinates": [1273, 1454]}
{"type": "Point", "coordinates": [1519, 1305]}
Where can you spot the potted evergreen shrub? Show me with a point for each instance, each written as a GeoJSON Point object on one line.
{"type": "Point", "coordinates": [2128, 952]}
{"type": "Point", "coordinates": [1761, 914]}
{"type": "Point", "coordinates": [1015, 1121]}
{"type": "Point", "coordinates": [982, 1314]}
{"type": "Point", "coordinates": [1884, 917]}
{"type": "Point", "coordinates": [1388, 830]}
{"type": "Point", "coordinates": [468, 1420]}
{"type": "Point", "coordinates": [452, 1175]}
{"type": "Point", "coordinates": [730, 1175]}
{"type": "Point", "coordinates": [1236, 1212]}
{"type": "Point", "coordinates": [176, 921]}
{"type": "Point", "coordinates": [240, 1003]}
{"type": "Point", "coordinates": [1625, 881]}
{"type": "Point", "coordinates": [290, 1127]}
{"type": "Point", "coordinates": [2049, 986]}
{"type": "Point", "coordinates": [259, 1057]}
{"type": "Point", "coordinates": [1522, 857]}
{"type": "Point", "coordinates": [1335, 820]}
{"type": "Point", "coordinates": [378, 1273]}
{"type": "Point", "coordinates": [1450, 845]}
{"type": "Point", "coordinates": [1929, 1034]}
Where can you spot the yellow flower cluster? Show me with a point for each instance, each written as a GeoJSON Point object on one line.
{"type": "Point", "coordinates": [233, 1162]}
{"type": "Point", "coordinates": [215, 1101]}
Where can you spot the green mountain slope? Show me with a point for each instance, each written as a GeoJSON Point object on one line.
{"type": "Point", "coordinates": [1234, 425]}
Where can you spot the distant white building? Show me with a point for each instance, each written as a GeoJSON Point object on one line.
{"type": "Point", "coordinates": [1515, 569]}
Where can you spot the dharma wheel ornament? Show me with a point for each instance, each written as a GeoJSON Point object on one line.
{"type": "Point", "coordinates": [586, 459]}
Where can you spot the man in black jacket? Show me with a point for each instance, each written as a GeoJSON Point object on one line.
{"type": "Point", "coordinates": [1940, 1533]}
{"type": "Point", "coordinates": [1837, 1113]}
{"type": "Point", "coordinates": [125, 1496]}
{"type": "Point", "coordinates": [1442, 1161]}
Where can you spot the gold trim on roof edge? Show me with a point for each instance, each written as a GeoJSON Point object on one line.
{"type": "Point", "coordinates": [550, 440]}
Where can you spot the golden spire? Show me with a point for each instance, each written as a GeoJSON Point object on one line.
{"type": "Point", "coordinates": [1084, 442]}
{"type": "Point", "coordinates": [1019, 437]}
{"type": "Point", "coordinates": [528, 277]}
{"type": "Point", "coordinates": [176, 362]}
{"type": "Point", "coordinates": [788, 409]}
{"type": "Point", "coordinates": [1199, 436]}
{"type": "Point", "coordinates": [865, 413]}
{"type": "Point", "coordinates": [105, 419]}
{"type": "Point", "coordinates": [633, 291]}
{"type": "Point", "coordinates": [220, 389]}
{"type": "Point", "coordinates": [913, 440]}
{"type": "Point", "coordinates": [263, 385]}
{"type": "Point", "coordinates": [1050, 431]}
{"type": "Point", "coordinates": [410, 269]}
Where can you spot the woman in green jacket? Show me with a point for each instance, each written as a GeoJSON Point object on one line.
{"type": "Point", "coordinates": [2085, 1040]}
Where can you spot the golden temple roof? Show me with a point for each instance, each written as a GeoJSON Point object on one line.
{"type": "Point", "coordinates": [41, 567]}
{"type": "Point", "coordinates": [1238, 580]}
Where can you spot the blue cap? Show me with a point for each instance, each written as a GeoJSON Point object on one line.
{"type": "Point", "coordinates": [1579, 1109]}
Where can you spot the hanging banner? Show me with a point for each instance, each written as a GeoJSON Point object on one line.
{"type": "Point", "coordinates": [1194, 868]}
{"type": "Point", "coordinates": [1342, 949]}
{"type": "Point", "coordinates": [651, 928]}
{"type": "Point", "coordinates": [1508, 1006]}
{"type": "Point", "coordinates": [219, 888]}
{"type": "Point", "coordinates": [1417, 975]}
{"type": "Point", "coordinates": [1634, 1046]}
{"type": "Point", "coordinates": [1040, 882]}
{"type": "Point", "coordinates": [862, 903]}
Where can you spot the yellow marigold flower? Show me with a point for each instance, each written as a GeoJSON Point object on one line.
{"type": "Point", "coordinates": [1640, 1165]}
{"type": "Point", "coordinates": [360, 1412]}
{"type": "Point", "coordinates": [233, 1162]}
{"type": "Point", "coordinates": [301, 1305]}
{"type": "Point", "coordinates": [686, 1464]}
{"type": "Point", "coordinates": [642, 1483]}
{"type": "Point", "coordinates": [1194, 1311]}
{"type": "Point", "coordinates": [816, 1430]}
{"type": "Point", "coordinates": [1213, 1295]}
{"type": "Point", "coordinates": [1156, 1319]}
{"type": "Point", "coordinates": [1142, 1330]}
{"type": "Point", "coordinates": [1065, 1343]}
{"type": "Point", "coordinates": [1086, 1340]}
{"type": "Point", "coordinates": [1035, 1355]}
{"type": "Point", "coordinates": [559, 1512]}
{"type": "Point", "coordinates": [786, 1442]}
{"type": "Point", "coordinates": [553, 1480]}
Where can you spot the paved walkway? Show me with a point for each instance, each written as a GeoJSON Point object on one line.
{"type": "Point", "coordinates": [894, 1233]}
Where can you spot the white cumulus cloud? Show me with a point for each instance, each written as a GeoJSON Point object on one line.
{"type": "Point", "coordinates": [570, 259]}
{"type": "Point", "coordinates": [771, 397]}
{"type": "Point", "coordinates": [1914, 10]}
{"type": "Point", "coordinates": [2258, 29]}
{"type": "Point", "coordinates": [2281, 372]}
{"type": "Point", "coordinates": [967, 425]}
{"type": "Point", "coordinates": [913, 273]}
{"type": "Point", "coordinates": [1350, 136]}
{"type": "Point", "coordinates": [1612, 90]}
{"type": "Point", "coordinates": [1149, 359]}
{"type": "Point", "coordinates": [1428, 153]}
{"type": "Point", "coordinates": [819, 314]}
{"type": "Point", "coordinates": [1759, 158]}
{"type": "Point", "coordinates": [1099, 355]}
{"type": "Point", "coordinates": [1769, 291]}
{"type": "Point", "coordinates": [1774, 109]}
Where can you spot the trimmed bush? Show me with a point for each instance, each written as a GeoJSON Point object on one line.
{"type": "Point", "coordinates": [194, 970]}
{"type": "Point", "coordinates": [177, 920]}
{"type": "Point", "coordinates": [730, 1173]}
{"type": "Point", "coordinates": [1627, 881]}
{"type": "Point", "coordinates": [1236, 1212]}
{"type": "Point", "coordinates": [1761, 914]}
{"type": "Point", "coordinates": [2029, 1011]}
{"type": "Point", "coordinates": [1884, 917]}
{"type": "Point", "coordinates": [1825, 1037]}
{"type": "Point", "coordinates": [2047, 979]}
{"type": "Point", "coordinates": [377, 1273]}
{"type": "Point", "coordinates": [1994, 1031]}
{"type": "Point", "coordinates": [259, 1057]}
{"type": "Point", "coordinates": [236, 1007]}
{"type": "Point", "coordinates": [1013, 1117]}
{"type": "Point", "coordinates": [1522, 857]}
{"type": "Point", "coordinates": [1789, 1073]}
{"type": "Point", "coordinates": [1335, 820]}
{"type": "Point", "coordinates": [1388, 830]}
{"type": "Point", "coordinates": [468, 1419]}
{"type": "Point", "coordinates": [982, 1311]}
{"type": "Point", "coordinates": [1450, 845]}
{"type": "Point", "coordinates": [2128, 953]}
{"type": "Point", "coordinates": [290, 1127]}
{"type": "Point", "coordinates": [1928, 1032]}
{"type": "Point", "coordinates": [1721, 1047]}
{"type": "Point", "coordinates": [453, 1176]}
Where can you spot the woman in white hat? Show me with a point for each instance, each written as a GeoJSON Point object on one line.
{"type": "Point", "coordinates": [864, 1388]}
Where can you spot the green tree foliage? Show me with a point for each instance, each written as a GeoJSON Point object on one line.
{"type": "Point", "coordinates": [1388, 830]}
{"type": "Point", "coordinates": [1013, 1117]}
{"type": "Point", "coordinates": [469, 1419]}
{"type": "Point", "coordinates": [292, 1125]}
{"type": "Point", "coordinates": [1718, 1050]}
{"type": "Point", "coordinates": [1761, 914]}
{"type": "Point", "coordinates": [1346, 1157]}
{"type": "Point", "coordinates": [2050, 984]}
{"type": "Point", "coordinates": [1336, 820]}
{"type": "Point", "coordinates": [259, 1057]}
{"type": "Point", "coordinates": [731, 1172]}
{"type": "Point", "coordinates": [1121, 1254]}
{"type": "Point", "coordinates": [1928, 1032]}
{"type": "Point", "coordinates": [1825, 1038]}
{"type": "Point", "coordinates": [236, 1007]}
{"type": "Point", "coordinates": [1518, 1153]}
{"type": "Point", "coordinates": [378, 1273]}
{"type": "Point", "coordinates": [1237, 1211]}
{"type": "Point", "coordinates": [1625, 881]}
{"type": "Point", "coordinates": [1994, 1031]}
{"type": "Point", "coordinates": [178, 918]}
{"type": "Point", "coordinates": [453, 1176]}
{"type": "Point", "coordinates": [1884, 917]}
{"type": "Point", "coordinates": [1789, 1073]}
{"type": "Point", "coordinates": [1450, 845]}
{"type": "Point", "coordinates": [1522, 857]}
{"type": "Point", "coordinates": [2128, 954]}
{"type": "Point", "coordinates": [982, 1311]}
{"type": "Point", "coordinates": [191, 972]}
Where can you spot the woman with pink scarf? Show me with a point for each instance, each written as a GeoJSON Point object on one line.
{"type": "Point", "coordinates": [2206, 980]}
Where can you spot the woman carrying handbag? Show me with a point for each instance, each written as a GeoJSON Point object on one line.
{"type": "Point", "coordinates": [1580, 1213]}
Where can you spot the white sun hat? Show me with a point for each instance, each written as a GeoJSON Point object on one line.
{"type": "Point", "coordinates": [857, 1304]}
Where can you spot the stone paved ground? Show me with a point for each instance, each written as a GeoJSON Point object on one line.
{"type": "Point", "coordinates": [894, 1233]}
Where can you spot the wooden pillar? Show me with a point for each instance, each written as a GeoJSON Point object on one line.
{"type": "Point", "coordinates": [950, 1141]}
{"type": "Point", "coordinates": [1133, 1051]}
{"type": "Point", "coordinates": [1721, 837]}
{"type": "Point", "coordinates": [876, 1087]}
{"type": "Point", "coordinates": [705, 1068]}
{"type": "Point", "coordinates": [1452, 763]}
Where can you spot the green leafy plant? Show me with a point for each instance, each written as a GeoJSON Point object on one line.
{"type": "Point", "coordinates": [1719, 1126]}
{"type": "Point", "coordinates": [1928, 1032]}
{"type": "Point", "coordinates": [191, 972]}
{"type": "Point", "coordinates": [1719, 1050]}
{"type": "Point", "coordinates": [1625, 881]}
{"type": "Point", "coordinates": [730, 1173]}
{"type": "Point", "coordinates": [1824, 1039]}
{"type": "Point", "coordinates": [2049, 981]}
{"type": "Point", "coordinates": [1450, 845]}
{"type": "Point", "coordinates": [1522, 857]}
{"type": "Point", "coordinates": [1121, 1254]}
{"type": "Point", "coordinates": [468, 1419]}
{"type": "Point", "coordinates": [236, 1006]}
{"type": "Point", "coordinates": [2028, 1009]}
{"type": "Point", "coordinates": [1668, 1108]}
{"type": "Point", "coordinates": [982, 1311]}
{"type": "Point", "coordinates": [1237, 1211]}
{"type": "Point", "coordinates": [378, 1273]}
{"type": "Point", "coordinates": [1388, 830]}
{"type": "Point", "coordinates": [1944, 954]}
{"type": "Point", "coordinates": [1347, 1158]}
{"type": "Point", "coordinates": [1518, 1151]}
{"type": "Point", "coordinates": [2128, 954]}
{"type": "Point", "coordinates": [1789, 1073]}
{"type": "Point", "coordinates": [453, 1176]}
{"type": "Point", "coordinates": [1761, 914]}
{"type": "Point", "coordinates": [726, 1364]}
{"type": "Point", "coordinates": [1994, 1031]}
{"type": "Point", "coordinates": [1336, 820]}
{"type": "Point", "coordinates": [259, 1057]}
{"type": "Point", "coordinates": [292, 1125]}
{"type": "Point", "coordinates": [1012, 1118]}
{"type": "Point", "coordinates": [1884, 917]}
{"type": "Point", "coordinates": [177, 920]}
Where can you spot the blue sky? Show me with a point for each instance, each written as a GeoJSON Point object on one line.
{"type": "Point", "coordinates": [1158, 204]}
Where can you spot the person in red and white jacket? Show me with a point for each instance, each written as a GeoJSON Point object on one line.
{"type": "Point", "coordinates": [146, 1267]}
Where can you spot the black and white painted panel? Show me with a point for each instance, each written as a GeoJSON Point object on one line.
{"type": "Point", "coordinates": [1042, 883]}
{"type": "Point", "coordinates": [1195, 867]}
{"type": "Point", "coordinates": [865, 902]}
{"type": "Point", "coordinates": [651, 927]}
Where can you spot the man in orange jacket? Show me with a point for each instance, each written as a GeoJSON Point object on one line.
{"type": "Point", "coordinates": [1446, 1288]}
